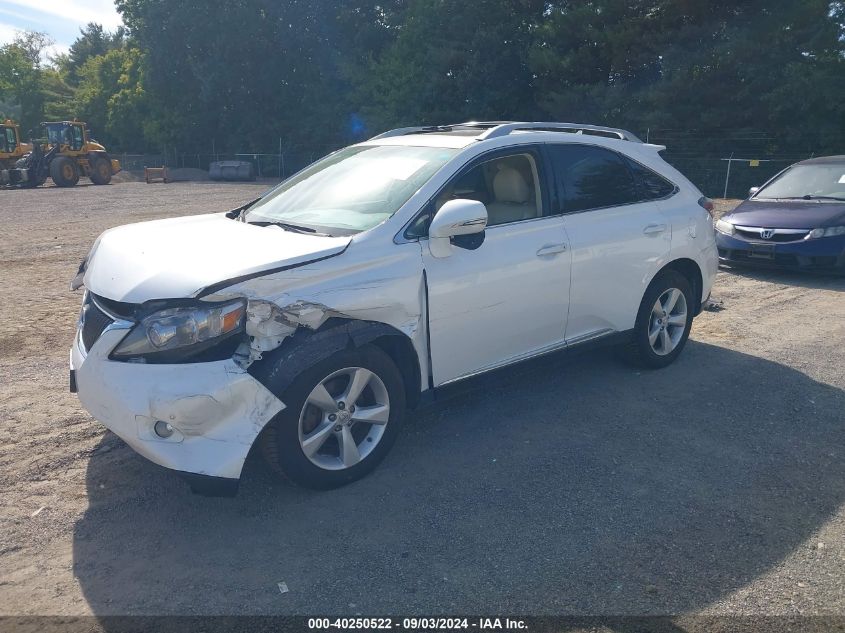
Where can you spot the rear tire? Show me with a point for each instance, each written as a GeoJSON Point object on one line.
{"type": "Point", "coordinates": [663, 321]}
{"type": "Point", "coordinates": [311, 422]}
{"type": "Point", "coordinates": [64, 171]}
{"type": "Point", "coordinates": [99, 170]}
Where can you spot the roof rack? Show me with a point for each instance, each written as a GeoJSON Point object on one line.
{"type": "Point", "coordinates": [434, 129]}
{"type": "Point", "coordinates": [504, 129]}
{"type": "Point", "coordinates": [495, 129]}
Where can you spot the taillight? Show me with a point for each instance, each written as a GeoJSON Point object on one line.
{"type": "Point", "coordinates": [706, 203]}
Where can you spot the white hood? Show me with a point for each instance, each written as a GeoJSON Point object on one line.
{"type": "Point", "coordinates": [176, 258]}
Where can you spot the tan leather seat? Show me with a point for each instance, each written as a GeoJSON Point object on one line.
{"type": "Point", "coordinates": [512, 198]}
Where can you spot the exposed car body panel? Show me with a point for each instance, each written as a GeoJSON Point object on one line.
{"type": "Point", "coordinates": [178, 257]}
{"type": "Point", "coordinates": [218, 408]}
{"type": "Point", "coordinates": [384, 284]}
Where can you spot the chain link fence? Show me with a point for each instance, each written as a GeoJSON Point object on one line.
{"type": "Point", "coordinates": [730, 176]}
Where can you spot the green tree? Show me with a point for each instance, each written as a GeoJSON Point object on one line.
{"type": "Point", "coordinates": [22, 76]}
{"type": "Point", "coordinates": [451, 61]}
{"type": "Point", "coordinates": [93, 41]}
{"type": "Point", "coordinates": [112, 99]}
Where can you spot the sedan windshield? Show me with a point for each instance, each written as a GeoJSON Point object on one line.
{"type": "Point", "coordinates": [810, 182]}
{"type": "Point", "coordinates": [351, 190]}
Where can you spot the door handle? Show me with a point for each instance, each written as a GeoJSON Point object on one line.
{"type": "Point", "coordinates": [551, 249]}
{"type": "Point", "coordinates": [654, 229]}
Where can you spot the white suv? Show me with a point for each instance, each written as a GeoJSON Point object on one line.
{"type": "Point", "coordinates": [311, 318]}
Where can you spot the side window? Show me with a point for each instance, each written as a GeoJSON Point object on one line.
{"type": "Point", "coordinates": [652, 185]}
{"type": "Point", "coordinates": [508, 186]}
{"type": "Point", "coordinates": [77, 137]}
{"type": "Point", "coordinates": [11, 140]}
{"type": "Point", "coordinates": [592, 177]}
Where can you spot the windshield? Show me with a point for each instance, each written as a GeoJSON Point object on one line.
{"type": "Point", "coordinates": [807, 181]}
{"type": "Point", "coordinates": [351, 190]}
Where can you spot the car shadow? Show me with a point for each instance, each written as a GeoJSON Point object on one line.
{"type": "Point", "coordinates": [569, 485]}
{"type": "Point", "coordinates": [801, 279]}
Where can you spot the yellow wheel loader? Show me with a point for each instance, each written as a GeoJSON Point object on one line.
{"type": "Point", "coordinates": [11, 147]}
{"type": "Point", "coordinates": [21, 164]}
{"type": "Point", "coordinates": [77, 155]}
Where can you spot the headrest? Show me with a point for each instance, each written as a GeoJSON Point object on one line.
{"type": "Point", "coordinates": [510, 186]}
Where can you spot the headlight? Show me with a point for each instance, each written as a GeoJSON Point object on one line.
{"type": "Point", "coordinates": [723, 226]}
{"type": "Point", "coordinates": [182, 333]}
{"type": "Point", "coordinates": [831, 231]}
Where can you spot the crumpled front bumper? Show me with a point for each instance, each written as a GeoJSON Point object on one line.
{"type": "Point", "coordinates": [216, 409]}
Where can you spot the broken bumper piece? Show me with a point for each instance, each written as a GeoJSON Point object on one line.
{"type": "Point", "coordinates": [209, 413]}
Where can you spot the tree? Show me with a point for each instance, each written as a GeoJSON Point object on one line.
{"type": "Point", "coordinates": [112, 99]}
{"type": "Point", "coordinates": [22, 75]}
{"type": "Point", "coordinates": [451, 61]}
{"type": "Point", "coordinates": [93, 41]}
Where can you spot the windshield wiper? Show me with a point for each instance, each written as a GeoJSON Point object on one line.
{"type": "Point", "coordinates": [237, 212]}
{"type": "Point", "coordinates": [813, 197]}
{"type": "Point", "coordinates": [296, 228]}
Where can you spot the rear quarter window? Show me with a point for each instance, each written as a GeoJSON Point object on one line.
{"type": "Point", "coordinates": [652, 185]}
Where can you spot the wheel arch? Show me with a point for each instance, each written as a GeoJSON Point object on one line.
{"type": "Point", "coordinates": [692, 271]}
{"type": "Point", "coordinates": [278, 368]}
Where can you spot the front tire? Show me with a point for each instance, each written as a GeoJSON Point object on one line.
{"type": "Point", "coordinates": [342, 416]}
{"type": "Point", "coordinates": [64, 171]}
{"type": "Point", "coordinates": [663, 321]}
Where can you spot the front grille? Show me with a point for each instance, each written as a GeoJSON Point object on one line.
{"type": "Point", "coordinates": [754, 235]}
{"type": "Point", "coordinates": [777, 237]}
{"type": "Point", "coordinates": [94, 321]}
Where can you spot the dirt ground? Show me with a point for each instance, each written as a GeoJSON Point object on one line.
{"type": "Point", "coordinates": [571, 485]}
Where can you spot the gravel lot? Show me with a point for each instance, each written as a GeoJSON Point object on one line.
{"type": "Point", "coordinates": [571, 485]}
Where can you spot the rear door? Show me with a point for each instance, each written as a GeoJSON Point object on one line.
{"type": "Point", "coordinates": [618, 240]}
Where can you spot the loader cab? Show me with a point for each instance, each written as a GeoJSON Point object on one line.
{"type": "Point", "coordinates": [9, 138]}
{"type": "Point", "coordinates": [68, 133]}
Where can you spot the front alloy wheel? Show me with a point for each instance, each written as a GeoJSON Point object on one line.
{"type": "Point", "coordinates": [341, 418]}
{"type": "Point", "coordinates": [344, 418]}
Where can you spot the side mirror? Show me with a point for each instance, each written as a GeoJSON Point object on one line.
{"type": "Point", "coordinates": [752, 191]}
{"type": "Point", "coordinates": [455, 218]}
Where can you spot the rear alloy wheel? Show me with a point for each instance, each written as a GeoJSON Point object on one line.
{"type": "Point", "coordinates": [64, 171]}
{"type": "Point", "coordinates": [663, 321]}
{"type": "Point", "coordinates": [341, 419]}
{"type": "Point", "coordinates": [667, 322]}
{"type": "Point", "coordinates": [100, 171]}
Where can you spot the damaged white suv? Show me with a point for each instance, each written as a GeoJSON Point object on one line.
{"type": "Point", "coordinates": [310, 319]}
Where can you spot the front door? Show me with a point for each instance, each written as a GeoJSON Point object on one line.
{"type": "Point", "coordinates": [506, 299]}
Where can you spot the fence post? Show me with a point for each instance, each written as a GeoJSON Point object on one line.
{"type": "Point", "coordinates": [728, 175]}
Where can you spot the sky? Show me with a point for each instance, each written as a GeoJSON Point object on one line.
{"type": "Point", "coordinates": [60, 19]}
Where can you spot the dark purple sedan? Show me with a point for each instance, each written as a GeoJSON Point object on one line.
{"type": "Point", "coordinates": [796, 220]}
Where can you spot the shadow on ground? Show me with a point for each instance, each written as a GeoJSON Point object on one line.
{"type": "Point", "coordinates": [571, 485]}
